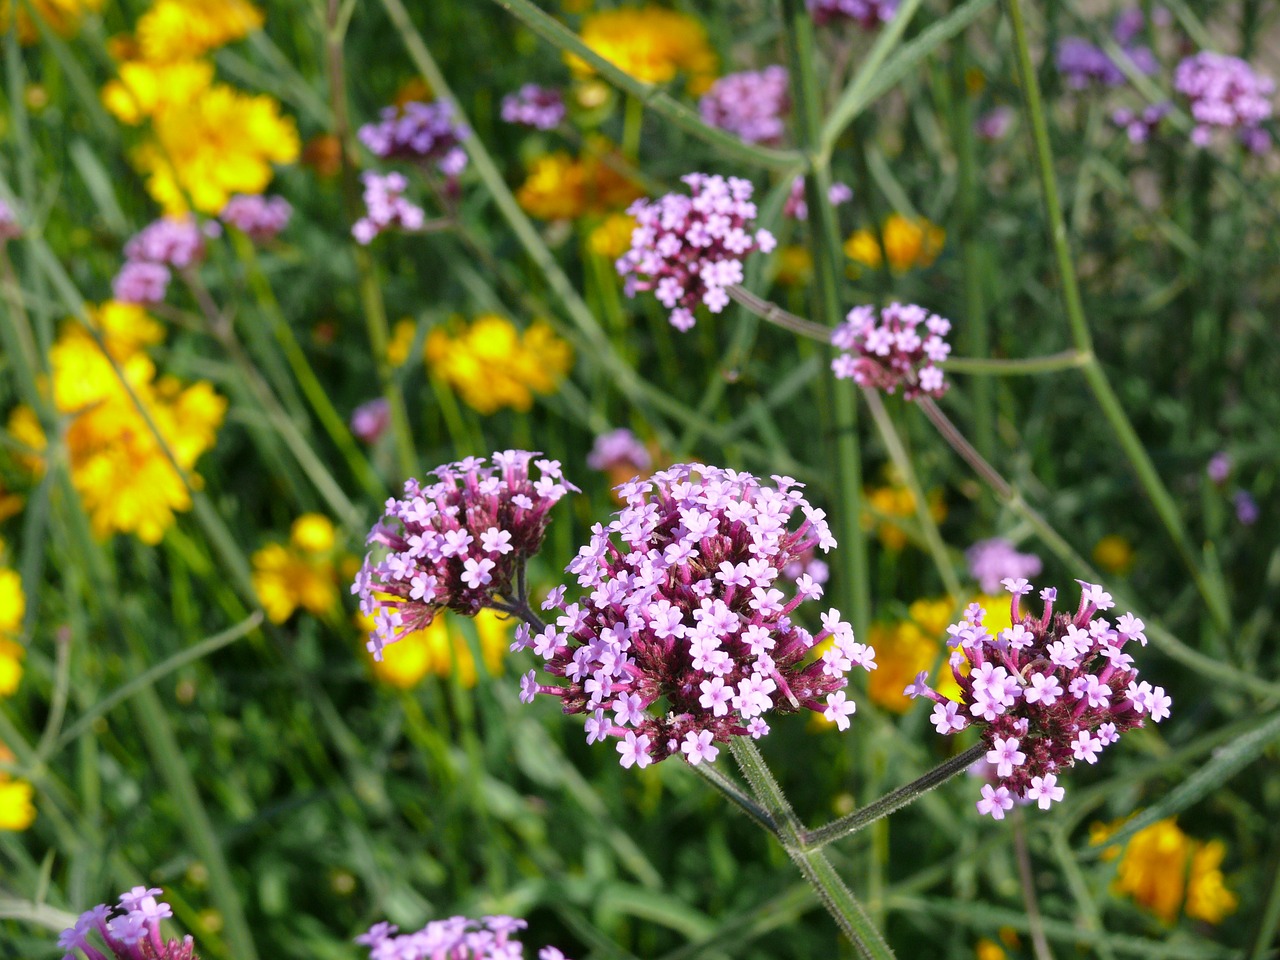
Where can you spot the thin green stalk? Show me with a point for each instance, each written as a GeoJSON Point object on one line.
{"type": "Point", "coordinates": [1114, 413]}
{"type": "Point", "coordinates": [1018, 366]}
{"type": "Point", "coordinates": [813, 864]}
{"type": "Point", "coordinates": [1026, 877]}
{"type": "Point", "coordinates": [772, 313]}
{"type": "Point", "coordinates": [736, 795]}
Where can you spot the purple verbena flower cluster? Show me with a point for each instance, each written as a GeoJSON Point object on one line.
{"type": "Point", "coordinates": [1083, 64]}
{"type": "Point", "coordinates": [261, 218]}
{"type": "Point", "coordinates": [423, 132]}
{"type": "Point", "coordinates": [386, 207]}
{"type": "Point", "coordinates": [994, 124]}
{"type": "Point", "coordinates": [457, 938]}
{"type": "Point", "coordinates": [457, 543]}
{"type": "Point", "coordinates": [797, 206]}
{"type": "Point", "coordinates": [684, 639]}
{"type": "Point", "coordinates": [868, 13]}
{"type": "Point", "coordinates": [10, 228]}
{"type": "Point", "coordinates": [752, 105]}
{"type": "Point", "coordinates": [1049, 691]}
{"type": "Point", "coordinates": [131, 934]}
{"type": "Point", "coordinates": [541, 108]}
{"type": "Point", "coordinates": [618, 449]}
{"type": "Point", "coordinates": [995, 560]}
{"type": "Point", "coordinates": [149, 255]}
{"type": "Point", "coordinates": [1228, 94]}
{"type": "Point", "coordinates": [885, 350]}
{"type": "Point", "coordinates": [1141, 125]}
{"type": "Point", "coordinates": [687, 250]}
{"type": "Point", "coordinates": [370, 420]}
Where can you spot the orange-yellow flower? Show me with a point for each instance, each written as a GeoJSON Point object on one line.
{"type": "Point", "coordinates": [560, 187]}
{"type": "Point", "coordinates": [16, 809]}
{"type": "Point", "coordinates": [651, 44]}
{"type": "Point", "coordinates": [301, 573]}
{"type": "Point", "coordinates": [442, 648]}
{"type": "Point", "coordinates": [492, 364]}
{"type": "Point", "coordinates": [185, 29]}
{"type": "Point", "coordinates": [909, 244]}
{"type": "Point", "coordinates": [893, 502]}
{"type": "Point", "coordinates": [62, 16]}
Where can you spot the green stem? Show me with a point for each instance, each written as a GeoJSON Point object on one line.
{"type": "Point", "coordinates": [1027, 878]}
{"type": "Point", "coordinates": [1018, 367]}
{"type": "Point", "coordinates": [736, 795]}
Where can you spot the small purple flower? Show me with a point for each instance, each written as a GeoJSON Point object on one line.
{"type": "Point", "coordinates": [1247, 511]}
{"type": "Point", "coordinates": [797, 207]}
{"type": "Point", "coordinates": [618, 450]}
{"type": "Point", "coordinates": [688, 249]}
{"type": "Point", "coordinates": [386, 208]}
{"type": "Point", "coordinates": [682, 631]}
{"type": "Point", "coordinates": [1058, 691]}
{"type": "Point", "coordinates": [457, 938]}
{"type": "Point", "coordinates": [991, 561]}
{"type": "Point", "coordinates": [1083, 64]}
{"type": "Point", "coordinates": [370, 420]}
{"type": "Point", "coordinates": [422, 132]}
{"type": "Point", "coordinates": [261, 218]}
{"type": "Point", "coordinates": [1140, 127]}
{"type": "Point", "coordinates": [10, 228]}
{"type": "Point", "coordinates": [141, 282]}
{"type": "Point", "coordinates": [752, 105]}
{"type": "Point", "coordinates": [177, 243]}
{"type": "Point", "coordinates": [868, 13]}
{"type": "Point", "coordinates": [1224, 93]}
{"type": "Point", "coordinates": [541, 108]}
{"type": "Point", "coordinates": [444, 546]}
{"type": "Point", "coordinates": [885, 350]}
{"type": "Point", "coordinates": [132, 934]}
{"type": "Point", "coordinates": [994, 124]}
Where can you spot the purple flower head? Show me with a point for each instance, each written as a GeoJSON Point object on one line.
{"type": "Point", "coordinates": [1224, 93]}
{"type": "Point", "coordinates": [423, 132]}
{"type": "Point", "coordinates": [370, 420]}
{"type": "Point", "coordinates": [797, 207]}
{"type": "Point", "coordinates": [688, 249]}
{"type": "Point", "coordinates": [618, 449]}
{"type": "Point", "coordinates": [262, 218]}
{"type": "Point", "coordinates": [457, 938]}
{"type": "Point", "coordinates": [886, 350]}
{"type": "Point", "coordinates": [174, 243]}
{"type": "Point", "coordinates": [1141, 126]}
{"type": "Point", "coordinates": [10, 228]}
{"type": "Point", "coordinates": [1048, 691]}
{"type": "Point", "coordinates": [994, 560]}
{"type": "Point", "coordinates": [141, 282]}
{"type": "Point", "coordinates": [131, 934]}
{"type": "Point", "coordinates": [1083, 64]}
{"type": "Point", "coordinates": [457, 543]}
{"type": "Point", "coordinates": [868, 13]}
{"type": "Point", "coordinates": [541, 108]}
{"type": "Point", "coordinates": [1247, 511]}
{"type": "Point", "coordinates": [994, 124]}
{"type": "Point", "coordinates": [752, 105]}
{"type": "Point", "coordinates": [684, 637]}
{"type": "Point", "coordinates": [386, 208]}
{"type": "Point", "coordinates": [1219, 468]}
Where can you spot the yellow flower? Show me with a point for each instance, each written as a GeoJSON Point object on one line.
{"type": "Point", "coordinates": [217, 143]}
{"type": "Point", "coordinates": [13, 607]}
{"type": "Point", "coordinates": [988, 950]}
{"type": "Point", "coordinates": [16, 810]}
{"type": "Point", "coordinates": [612, 238]}
{"type": "Point", "coordinates": [301, 574]}
{"type": "Point", "coordinates": [62, 16]}
{"type": "Point", "coordinates": [909, 243]}
{"type": "Point", "coordinates": [492, 365]}
{"type": "Point", "coordinates": [1113, 554]}
{"type": "Point", "coordinates": [1166, 871]}
{"type": "Point", "coordinates": [560, 187]}
{"type": "Point", "coordinates": [892, 502]}
{"type": "Point", "coordinates": [904, 649]}
{"type": "Point", "coordinates": [441, 647]}
{"type": "Point", "coordinates": [651, 44]}
{"type": "Point", "coordinates": [121, 472]}
{"type": "Point", "coordinates": [185, 29]}
{"type": "Point", "coordinates": [145, 89]}
{"type": "Point", "coordinates": [401, 340]}
{"type": "Point", "coordinates": [795, 266]}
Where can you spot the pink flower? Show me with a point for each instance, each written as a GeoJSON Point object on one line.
{"type": "Point", "coordinates": [886, 350]}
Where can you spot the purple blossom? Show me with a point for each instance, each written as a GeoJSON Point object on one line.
{"type": "Point", "coordinates": [687, 250]}
{"type": "Point", "coordinates": [443, 544]}
{"type": "Point", "coordinates": [885, 351]}
{"type": "Point", "coordinates": [991, 561]}
{"type": "Point", "coordinates": [457, 938]}
{"type": "Point", "coordinates": [370, 420]}
{"type": "Point", "coordinates": [1064, 691]}
{"type": "Point", "coordinates": [422, 132]}
{"type": "Point", "coordinates": [132, 934]}
{"type": "Point", "coordinates": [385, 207]}
{"type": "Point", "coordinates": [868, 13]}
{"type": "Point", "coordinates": [541, 108]}
{"type": "Point", "coordinates": [618, 450]}
{"type": "Point", "coordinates": [1141, 126]}
{"type": "Point", "coordinates": [141, 282]}
{"type": "Point", "coordinates": [797, 207]}
{"type": "Point", "coordinates": [1224, 93]}
{"type": "Point", "coordinates": [261, 218]}
{"type": "Point", "coordinates": [751, 105]}
{"type": "Point", "coordinates": [682, 631]}
{"type": "Point", "coordinates": [1083, 64]}
{"type": "Point", "coordinates": [1247, 511]}
{"type": "Point", "coordinates": [994, 124]}
{"type": "Point", "coordinates": [10, 228]}
{"type": "Point", "coordinates": [177, 243]}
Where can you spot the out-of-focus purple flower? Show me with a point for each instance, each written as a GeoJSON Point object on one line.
{"type": "Point", "coordinates": [261, 218]}
{"type": "Point", "coordinates": [457, 543]}
{"type": "Point", "coordinates": [1128, 25]}
{"type": "Point", "coordinates": [1219, 468]}
{"type": "Point", "coordinates": [684, 639]}
{"type": "Point", "coordinates": [173, 242]}
{"type": "Point", "coordinates": [1224, 93]}
{"type": "Point", "coordinates": [618, 450]}
{"type": "Point", "coordinates": [687, 250]}
{"type": "Point", "coordinates": [807, 565]}
{"type": "Point", "coordinates": [370, 420]}
{"type": "Point", "coordinates": [868, 13]}
{"type": "Point", "coordinates": [423, 132]}
{"type": "Point", "coordinates": [1247, 511]}
{"type": "Point", "coordinates": [1081, 63]}
{"type": "Point", "coordinates": [994, 560]}
{"type": "Point", "coordinates": [131, 934]}
{"type": "Point", "coordinates": [752, 104]}
{"type": "Point", "coordinates": [994, 124]}
{"type": "Point", "coordinates": [1141, 126]}
{"type": "Point", "coordinates": [10, 228]}
{"type": "Point", "coordinates": [457, 938]}
{"type": "Point", "coordinates": [797, 207]}
{"type": "Point", "coordinates": [541, 108]}
{"type": "Point", "coordinates": [885, 350]}
{"type": "Point", "coordinates": [141, 282]}
{"type": "Point", "coordinates": [1048, 691]}
{"type": "Point", "coordinates": [386, 207]}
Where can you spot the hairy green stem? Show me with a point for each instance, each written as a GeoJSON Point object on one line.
{"type": "Point", "coordinates": [736, 795]}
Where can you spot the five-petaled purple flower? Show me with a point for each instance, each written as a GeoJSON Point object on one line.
{"type": "Point", "coordinates": [459, 543]}
{"type": "Point", "coordinates": [457, 938]}
{"type": "Point", "coordinates": [423, 132]}
{"type": "Point", "coordinates": [1048, 691]}
{"type": "Point", "coordinates": [753, 105]}
{"type": "Point", "coordinates": [683, 638]}
{"type": "Point", "coordinates": [541, 108]}
{"type": "Point", "coordinates": [386, 207]}
{"type": "Point", "coordinates": [688, 249]}
{"type": "Point", "coordinates": [885, 350]}
{"type": "Point", "coordinates": [131, 934]}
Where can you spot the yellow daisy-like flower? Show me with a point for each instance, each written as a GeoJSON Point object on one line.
{"type": "Point", "coordinates": [560, 187]}
{"type": "Point", "coordinates": [909, 244]}
{"type": "Point", "coordinates": [300, 574]}
{"type": "Point", "coordinates": [492, 364]}
{"type": "Point", "coordinates": [145, 89]}
{"type": "Point", "coordinates": [442, 648]}
{"type": "Point", "coordinates": [651, 44]}
{"type": "Point", "coordinates": [62, 16]}
{"type": "Point", "coordinates": [795, 266]}
{"type": "Point", "coordinates": [904, 649]}
{"type": "Point", "coordinates": [1113, 553]}
{"type": "Point", "coordinates": [185, 29]}
{"type": "Point", "coordinates": [16, 810]}
{"type": "Point", "coordinates": [986, 949]}
{"type": "Point", "coordinates": [216, 144]}
{"type": "Point", "coordinates": [892, 502]}
{"type": "Point", "coordinates": [13, 607]}
{"type": "Point", "coordinates": [612, 238]}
